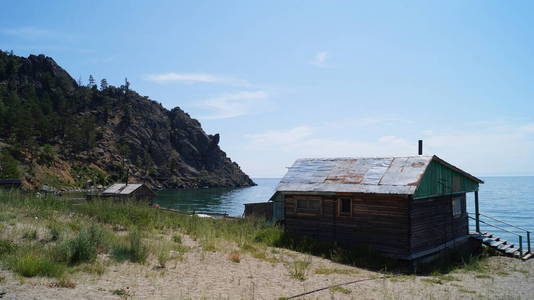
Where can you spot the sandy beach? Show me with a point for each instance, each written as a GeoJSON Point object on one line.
{"type": "Point", "coordinates": [201, 274]}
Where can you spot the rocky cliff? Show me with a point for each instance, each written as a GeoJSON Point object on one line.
{"type": "Point", "coordinates": [64, 134]}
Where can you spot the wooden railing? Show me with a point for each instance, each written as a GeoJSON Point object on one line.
{"type": "Point", "coordinates": [520, 236]}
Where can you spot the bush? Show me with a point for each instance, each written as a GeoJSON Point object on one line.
{"type": "Point", "coordinates": [135, 250]}
{"type": "Point", "coordinates": [55, 231]}
{"type": "Point", "coordinates": [7, 247]}
{"type": "Point", "coordinates": [139, 251]}
{"type": "Point", "coordinates": [177, 239]}
{"type": "Point", "coordinates": [30, 265]}
{"type": "Point", "coordinates": [82, 248]}
{"type": "Point", "coordinates": [270, 236]}
{"type": "Point", "coordinates": [163, 256]}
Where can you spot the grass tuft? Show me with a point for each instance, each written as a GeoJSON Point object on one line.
{"type": "Point", "coordinates": [135, 250]}
{"type": "Point", "coordinates": [340, 289]}
{"type": "Point", "coordinates": [7, 247]}
{"type": "Point", "coordinates": [298, 269]}
{"type": "Point", "coordinates": [83, 248]}
{"type": "Point", "coordinates": [30, 265]}
{"type": "Point", "coordinates": [177, 239]}
{"type": "Point", "coordinates": [329, 271]}
{"type": "Point", "coordinates": [30, 235]}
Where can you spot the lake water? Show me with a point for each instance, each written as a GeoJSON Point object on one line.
{"type": "Point", "coordinates": [510, 199]}
{"type": "Point", "coordinates": [218, 200]}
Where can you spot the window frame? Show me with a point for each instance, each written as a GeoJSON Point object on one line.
{"type": "Point", "coordinates": [340, 205]}
{"type": "Point", "coordinates": [457, 210]}
{"type": "Point", "coordinates": [308, 210]}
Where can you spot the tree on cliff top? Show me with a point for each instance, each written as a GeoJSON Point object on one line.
{"type": "Point", "coordinates": [8, 166]}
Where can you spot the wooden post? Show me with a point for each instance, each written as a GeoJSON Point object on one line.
{"type": "Point", "coordinates": [477, 213]}
{"type": "Point", "coordinates": [528, 241]}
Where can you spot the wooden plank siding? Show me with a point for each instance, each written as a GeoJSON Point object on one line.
{"type": "Point", "coordinates": [433, 223]}
{"type": "Point", "coordinates": [380, 221]}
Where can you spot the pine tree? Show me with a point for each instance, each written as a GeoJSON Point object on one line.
{"type": "Point", "coordinates": [103, 84]}
{"type": "Point", "coordinates": [8, 166]}
{"type": "Point", "coordinates": [126, 85]}
{"type": "Point", "coordinates": [92, 82]}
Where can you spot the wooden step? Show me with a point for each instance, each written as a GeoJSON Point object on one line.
{"type": "Point", "coordinates": [504, 247]}
{"type": "Point", "coordinates": [519, 254]}
{"type": "Point", "coordinates": [511, 250]}
{"type": "Point", "coordinates": [488, 235]}
{"type": "Point", "coordinates": [496, 244]}
{"type": "Point", "coordinates": [487, 241]}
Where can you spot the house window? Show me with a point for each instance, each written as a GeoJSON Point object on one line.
{"type": "Point", "coordinates": [456, 206]}
{"type": "Point", "coordinates": [345, 207]}
{"type": "Point", "coordinates": [309, 205]}
{"type": "Point", "coordinates": [456, 184]}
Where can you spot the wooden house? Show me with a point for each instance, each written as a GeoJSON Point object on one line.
{"type": "Point", "coordinates": [404, 207]}
{"type": "Point", "coordinates": [128, 191]}
{"type": "Point", "coordinates": [10, 183]}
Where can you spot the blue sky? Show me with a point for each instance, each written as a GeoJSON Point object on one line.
{"type": "Point", "coordinates": [280, 80]}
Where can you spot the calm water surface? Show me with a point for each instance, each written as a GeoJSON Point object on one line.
{"type": "Point", "coordinates": [219, 200]}
{"type": "Point", "coordinates": [510, 199]}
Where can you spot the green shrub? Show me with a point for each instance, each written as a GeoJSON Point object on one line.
{"type": "Point", "coordinates": [270, 236]}
{"type": "Point", "coordinates": [163, 256]}
{"type": "Point", "coordinates": [7, 247]}
{"type": "Point", "coordinates": [177, 239]}
{"type": "Point", "coordinates": [7, 217]}
{"type": "Point", "coordinates": [82, 248]}
{"type": "Point", "coordinates": [30, 265]}
{"type": "Point", "coordinates": [55, 231]}
{"type": "Point", "coordinates": [120, 252]}
{"type": "Point", "coordinates": [139, 251]}
{"type": "Point", "coordinates": [135, 250]}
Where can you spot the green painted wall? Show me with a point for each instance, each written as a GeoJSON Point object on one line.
{"type": "Point", "coordinates": [441, 180]}
{"type": "Point", "coordinates": [278, 207]}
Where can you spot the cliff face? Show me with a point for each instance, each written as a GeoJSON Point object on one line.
{"type": "Point", "coordinates": [64, 134]}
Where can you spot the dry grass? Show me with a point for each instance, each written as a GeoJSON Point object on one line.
{"type": "Point", "coordinates": [329, 271]}
{"type": "Point", "coordinates": [340, 289]}
{"type": "Point", "coordinates": [234, 257]}
{"type": "Point", "coordinates": [63, 283]}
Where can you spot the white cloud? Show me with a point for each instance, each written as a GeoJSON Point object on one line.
{"type": "Point", "coordinates": [303, 141]}
{"type": "Point", "coordinates": [507, 150]}
{"type": "Point", "coordinates": [190, 78]}
{"type": "Point", "coordinates": [234, 105]}
{"type": "Point", "coordinates": [319, 59]}
{"type": "Point", "coordinates": [281, 137]}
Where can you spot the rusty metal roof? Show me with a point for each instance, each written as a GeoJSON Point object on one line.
{"type": "Point", "coordinates": [381, 175]}
{"type": "Point", "coordinates": [122, 188]}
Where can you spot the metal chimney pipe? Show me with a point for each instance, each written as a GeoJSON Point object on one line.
{"type": "Point", "coordinates": [420, 147]}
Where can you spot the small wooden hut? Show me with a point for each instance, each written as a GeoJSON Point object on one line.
{"type": "Point", "coordinates": [404, 207]}
{"type": "Point", "coordinates": [10, 183]}
{"type": "Point", "coordinates": [127, 191]}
